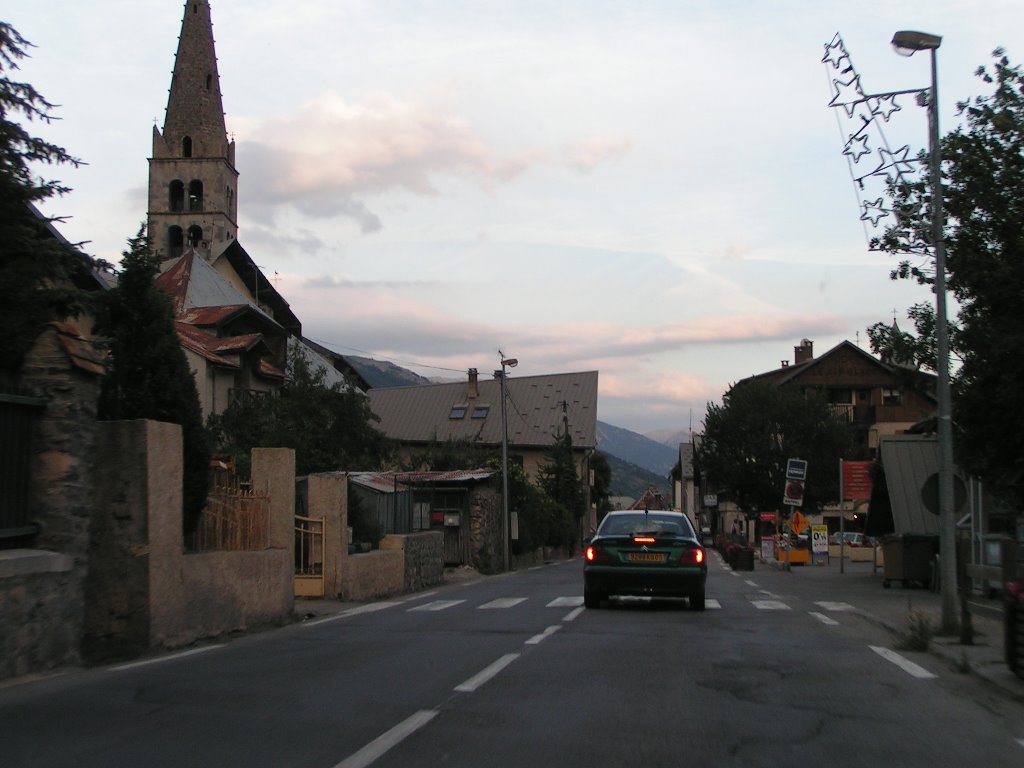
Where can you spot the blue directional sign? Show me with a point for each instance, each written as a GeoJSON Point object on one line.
{"type": "Point", "coordinates": [796, 469]}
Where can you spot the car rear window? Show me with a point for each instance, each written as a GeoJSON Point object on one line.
{"type": "Point", "coordinates": [625, 525]}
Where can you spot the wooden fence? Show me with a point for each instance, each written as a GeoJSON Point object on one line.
{"type": "Point", "coordinates": [235, 518]}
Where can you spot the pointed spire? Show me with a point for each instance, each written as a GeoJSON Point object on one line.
{"type": "Point", "coordinates": [194, 121]}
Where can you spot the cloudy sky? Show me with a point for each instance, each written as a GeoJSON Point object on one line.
{"type": "Point", "coordinates": [652, 189]}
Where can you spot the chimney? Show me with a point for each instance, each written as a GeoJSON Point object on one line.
{"type": "Point", "coordinates": [785, 363]}
{"type": "Point", "coordinates": [474, 387]}
{"type": "Point", "coordinates": [804, 352]}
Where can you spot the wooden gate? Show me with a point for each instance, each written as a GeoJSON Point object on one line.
{"type": "Point", "coordinates": [309, 556]}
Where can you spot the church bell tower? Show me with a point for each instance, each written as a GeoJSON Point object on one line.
{"type": "Point", "coordinates": [192, 176]}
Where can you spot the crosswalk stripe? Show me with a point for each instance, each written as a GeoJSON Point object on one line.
{"type": "Point", "coordinates": [770, 605]}
{"type": "Point", "coordinates": [835, 606]}
{"type": "Point", "coordinates": [710, 602]}
{"type": "Point", "coordinates": [437, 605]}
{"type": "Point", "coordinates": [502, 602]}
{"type": "Point", "coordinates": [566, 602]}
{"type": "Point", "coordinates": [827, 620]}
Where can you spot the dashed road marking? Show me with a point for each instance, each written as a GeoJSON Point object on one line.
{"type": "Point", "coordinates": [566, 602]}
{"type": "Point", "coordinates": [835, 606]}
{"type": "Point", "coordinates": [537, 639]}
{"type": "Point", "coordinates": [372, 751]}
{"type": "Point", "coordinates": [486, 674]}
{"type": "Point", "coordinates": [902, 662]}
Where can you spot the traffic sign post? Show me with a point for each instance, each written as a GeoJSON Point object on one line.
{"type": "Point", "coordinates": [793, 496]}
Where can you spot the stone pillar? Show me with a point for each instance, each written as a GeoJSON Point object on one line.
{"type": "Point", "coordinates": [328, 498]}
{"type": "Point", "coordinates": [273, 472]}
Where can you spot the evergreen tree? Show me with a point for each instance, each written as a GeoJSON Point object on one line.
{"type": "Point", "coordinates": [560, 481]}
{"type": "Point", "coordinates": [41, 277]}
{"type": "Point", "coordinates": [148, 376]}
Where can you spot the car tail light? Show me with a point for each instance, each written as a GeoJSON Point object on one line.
{"type": "Point", "coordinates": [596, 555]}
{"type": "Point", "coordinates": [644, 539]}
{"type": "Point", "coordinates": [693, 556]}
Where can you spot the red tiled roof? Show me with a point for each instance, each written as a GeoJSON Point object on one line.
{"type": "Point", "coordinates": [201, 343]}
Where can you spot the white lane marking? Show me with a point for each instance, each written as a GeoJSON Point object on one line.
{"type": "Point", "coordinates": [835, 606]}
{"type": "Point", "coordinates": [734, 573]}
{"type": "Point", "coordinates": [571, 615]}
{"type": "Point", "coordinates": [710, 602]}
{"type": "Point", "coordinates": [770, 605]}
{"type": "Point", "coordinates": [824, 619]}
{"type": "Point", "coordinates": [359, 609]}
{"type": "Point", "coordinates": [484, 675]}
{"type": "Point", "coordinates": [565, 602]}
{"type": "Point", "coordinates": [903, 663]}
{"type": "Point", "coordinates": [502, 602]}
{"type": "Point", "coordinates": [536, 639]}
{"type": "Point", "coordinates": [162, 659]}
{"type": "Point", "coordinates": [376, 748]}
{"type": "Point", "coordinates": [772, 595]}
{"type": "Point", "coordinates": [751, 583]}
{"type": "Point", "coordinates": [437, 605]}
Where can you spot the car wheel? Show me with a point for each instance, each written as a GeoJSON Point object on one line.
{"type": "Point", "coordinates": [697, 601]}
{"type": "Point", "coordinates": [591, 599]}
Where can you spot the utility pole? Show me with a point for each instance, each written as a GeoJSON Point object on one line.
{"type": "Point", "coordinates": [505, 519]}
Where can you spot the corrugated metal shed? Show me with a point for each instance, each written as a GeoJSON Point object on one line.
{"type": "Point", "coordinates": [909, 460]}
{"type": "Point", "coordinates": [459, 411]}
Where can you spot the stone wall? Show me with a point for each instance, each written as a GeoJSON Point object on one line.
{"type": "Point", "coordinates": [41, 589]}
{"type": "Point", "coordinates": [423, 555]}
{"type": "Point", "coordinates": [372, 575]}
{"type": "Point", "coordinates": [144, 590]}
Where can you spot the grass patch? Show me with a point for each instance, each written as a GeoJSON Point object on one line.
{"type": "Point", "coordinates": [918, 634]}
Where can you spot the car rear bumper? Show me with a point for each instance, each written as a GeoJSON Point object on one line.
{"type": "Point", "coordinates": [624, 580]}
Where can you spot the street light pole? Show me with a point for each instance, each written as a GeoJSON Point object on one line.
{"type": "Point", "coordinates": [505, 522]}
{"type": "Point", "coordinates": [908, 43]}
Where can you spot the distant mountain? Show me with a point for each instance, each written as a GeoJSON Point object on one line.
{"type": "Point", "coordinates": [637, 449]}
{"type": "Point", "coordinates": [670, 437]}
{"type": "Point", "coordinates": [631, 480]}
{"type": "Point", "coordinates": [381, 373]}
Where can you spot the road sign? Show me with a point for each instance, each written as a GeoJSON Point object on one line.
{"type": "Point", "coordinates": [798, 522]}
{"type": "Point", "coordinates": [793, 496]}
{"type": "Point", "coordinates": [796, 469]}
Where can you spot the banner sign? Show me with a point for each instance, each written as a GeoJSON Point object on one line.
{"type": "Point", "coordinates": [819, 539]}
{"type": "Point", "coordinates": [856, 480]}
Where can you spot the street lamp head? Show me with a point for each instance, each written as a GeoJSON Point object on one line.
{"type": "Point", "coordinates": [510, 362]}
{"type": "Point", "coordinates": [907, 42]}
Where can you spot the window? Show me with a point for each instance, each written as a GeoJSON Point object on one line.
{"type": "Point", "coordinates": [480, 412]}
{"type": "Point", "coordinates": [840, 396]}
{"type": "Point", "coordinates": [195, 195]}
{"type": "Point", "coordinates": [177, 196]}
{"type": "Point", "coordinates": [891, 397]}
{"type": "Point", "coordinates": [457, 412]}
{"type": "Point", "coordinates": [195, 235]}
{"type": "Point", "coordinates": [186, 147]}
{"type": "Point", "coordinates": [175, 242]}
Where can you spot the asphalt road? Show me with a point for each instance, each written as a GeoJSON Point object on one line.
{"type": "Point", "coordinates": [513, 671]}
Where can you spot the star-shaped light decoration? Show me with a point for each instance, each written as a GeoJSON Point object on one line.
{"type": "Point", "coordinates": [896, 161]}
{"type": "Point", "coordinates": [857, 147]}
{"type": "Point", "coordinates": [848, 94]}
{"type": "Point", "coordinates": [873, 211]}
{"type": "Point", "coordinates": [884, 105]}
{"type": "Point", "coordinates": [835, 52]}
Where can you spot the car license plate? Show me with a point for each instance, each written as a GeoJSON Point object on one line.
{"type": "Point", "coordinates": [646, 557]}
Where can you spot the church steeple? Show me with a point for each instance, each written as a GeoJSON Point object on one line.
{"type": "Point", "coordinates": [192, 176]}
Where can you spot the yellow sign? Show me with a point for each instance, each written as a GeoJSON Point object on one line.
{"type": "Point", "coordinates": [798, 522]}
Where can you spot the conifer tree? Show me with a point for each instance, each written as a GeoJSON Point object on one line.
{"type": "Point", "coordinates": [148, 376]}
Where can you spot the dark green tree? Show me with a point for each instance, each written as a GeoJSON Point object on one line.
{"type": "Point", "coordinates": [41, 276]}
{"type": "Point", "coordinates": [559, 479]}
{"type": "Point", "coordinates": [983, 175]}
{"type": "Point", "coordinates": [148, 376]}
{"type": "Point", "coordinates": [750, 437]}
{"type": "Point", "coordinates": [330, 427]}
{"type": "Point", "coordinates": [602, 483]}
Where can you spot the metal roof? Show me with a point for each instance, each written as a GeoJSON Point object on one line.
{"type": "Point", "coordinates": [390, 482]}
{"type": "Point", "coordinates": [536, 409]}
